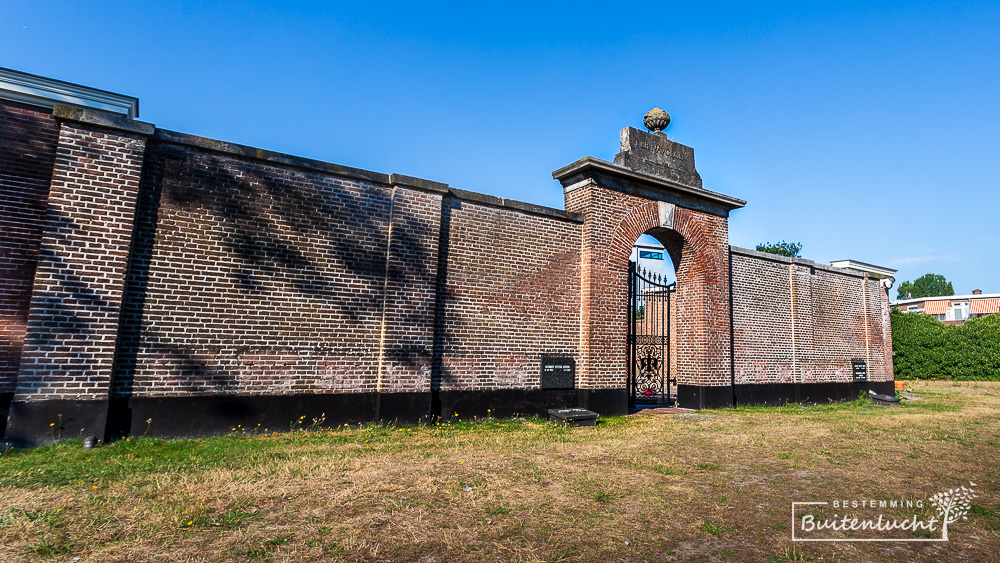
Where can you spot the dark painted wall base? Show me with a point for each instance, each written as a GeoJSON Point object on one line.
{"type": "Point", "coordinates": [5, 399]}
{"type": "Point", "coordinates": [506, 403]}
{"type": "Point", "coordinates": [37, 422]}
{"type": "Point", "coordinates": [780, 393]}
{"type": "Point", "coordinates": [208, 415]}
{"type": "Point", "coordinates": [703, 397]}
{"type": "Point", "coordinates": [604, 401]}
{"type": "Point", "coordinates": [202, 416]}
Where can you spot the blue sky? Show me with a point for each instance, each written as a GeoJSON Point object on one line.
{"type": "Point", "coordinates": [866, 131]}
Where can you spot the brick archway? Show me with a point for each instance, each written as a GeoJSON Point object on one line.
{"type": "Point", "coordinates": [621, 203]}
{"type": "Point", "coordinates": [697, 243]}
{"type": "Point", "coordinates": [679, 240]}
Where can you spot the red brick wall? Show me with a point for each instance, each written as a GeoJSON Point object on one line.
{"type": "Point", "coordinates": [511, 293]}
{"type": "Point", "coordinates": [254, 273]}
{"type": "Point", "coordinates": [76, 299]}
{"type": "Point", "coordinates": [797, 321]}
{"type": "Point", "coordinates": [880, 328]}
{"type": "Point", "coordinates": [762, 321]}
{"type": "Point", "coordinates": [254, 277]}
{"type": "Point", "coordinates": [698, 246]}
{"type": "Point", "coordinates": [28, 136]}
{"type": "Point", "coordinates": [408, 330]}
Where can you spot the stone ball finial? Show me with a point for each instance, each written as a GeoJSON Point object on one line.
{"type": "Point", "coordinates": [656, 120]}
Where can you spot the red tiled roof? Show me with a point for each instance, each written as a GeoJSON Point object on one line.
{"type": "Point", "coordinates": [981, 306]}
{"type": "Point", "coordinates": [936, 307]}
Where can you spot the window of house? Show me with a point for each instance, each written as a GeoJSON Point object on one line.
{"type": "Point", "coordinates": [956, 312]}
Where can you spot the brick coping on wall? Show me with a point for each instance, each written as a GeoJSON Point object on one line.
{"type": "Point", "coordinates": [359, 174]}
{"type": "Point", "coordinates": [797, 260]}
{"type": "Point", "coordinates": [124, 124]}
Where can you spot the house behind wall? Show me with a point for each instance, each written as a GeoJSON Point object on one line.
{"type": "Point", "coordinates": [150, 274]}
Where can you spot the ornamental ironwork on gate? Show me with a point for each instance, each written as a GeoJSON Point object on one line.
{"type": "Point", "coordinates": [649, 296]}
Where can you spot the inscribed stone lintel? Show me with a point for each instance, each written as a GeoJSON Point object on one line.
{"type": "Point", "coordinates": [654, 154]}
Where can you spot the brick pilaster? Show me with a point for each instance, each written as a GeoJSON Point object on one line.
{"type": "Point", "coordinates": [406, 347]}
{"type": "Point", "coordinates": [65, 369]}
{"type": "Point", "coordinates": [28, 137]}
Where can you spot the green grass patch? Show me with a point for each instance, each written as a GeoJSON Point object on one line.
{"type": "Point", "coordinates": [716, 486]}
{"type": "Point", "coordinates": [714, 529]}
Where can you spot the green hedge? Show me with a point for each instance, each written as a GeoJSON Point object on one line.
{"type": "Point", "coordinates": [929, 349]}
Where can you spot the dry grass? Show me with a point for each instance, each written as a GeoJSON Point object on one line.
{"type": "Point", "coordinates": [712, 486]}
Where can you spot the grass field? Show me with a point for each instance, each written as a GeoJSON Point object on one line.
{"type": "Point", "coordinates": [711, 486]}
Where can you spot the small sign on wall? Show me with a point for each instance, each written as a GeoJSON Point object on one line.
{"type": "Point", "coordinates": [558, 372]}
{"type": "Point", "coordinates": [860, 370]}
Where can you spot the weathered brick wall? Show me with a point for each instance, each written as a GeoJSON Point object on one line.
{"type": "Point", "coordinates": [697, 243]}
{"type": "Point", "coordinates": [254, 277]}
{"type": "Point", "coordinates": [795, 321]}
{"type": "Point", "coordinates": [251, 276]}
{"type": "Point", "coordinates": [76, 299]}
{"type": "Point", "coordinates": [510, 291]}
{"type": "Point", "coordinates": [762, 320]}
{"type": "Point", "coordinates": [407, 348]}
{"type": "Point", "coordinates": [880, 331]}
{"type": "Point", "coordinates": [28, 137]}
{"type": "Point", "coordinates": [161, 265]}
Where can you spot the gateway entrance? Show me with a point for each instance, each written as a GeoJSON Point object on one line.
{"type": "Point", "coordinates": [648, 344]}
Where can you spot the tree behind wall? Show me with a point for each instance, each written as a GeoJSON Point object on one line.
{"type": "Point", "coordinates": [782, 248]}
{"type": "Point", "coordinates": [927, 285]}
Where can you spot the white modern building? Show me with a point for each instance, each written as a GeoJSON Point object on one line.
{"type": "Point", "coordinates": [649, 255]}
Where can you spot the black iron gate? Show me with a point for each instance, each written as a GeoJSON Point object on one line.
{"type": "Point", "coordinates": [650, 381]}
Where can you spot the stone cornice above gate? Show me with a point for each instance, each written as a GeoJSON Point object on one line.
{"type": "Point", "coordinates": [612, 176]}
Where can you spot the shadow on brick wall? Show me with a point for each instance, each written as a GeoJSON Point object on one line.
{"type": "Point", "coordinates": [66, 305]}
{"type": "Point", "coordinates": [442, 336]}
{"type": "Point", "coordinates": [280, 225]}
{"type": "Point", "coordinates": [27, 151]}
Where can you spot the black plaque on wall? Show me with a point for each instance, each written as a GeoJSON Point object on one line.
{"type": "Point", "coordinates": [558, 372]}
{"type": "Point", "coordinates": [860, 370]}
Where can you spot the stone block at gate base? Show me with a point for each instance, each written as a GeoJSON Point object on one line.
{"type": "Point", "coordinates": [573, 417]}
